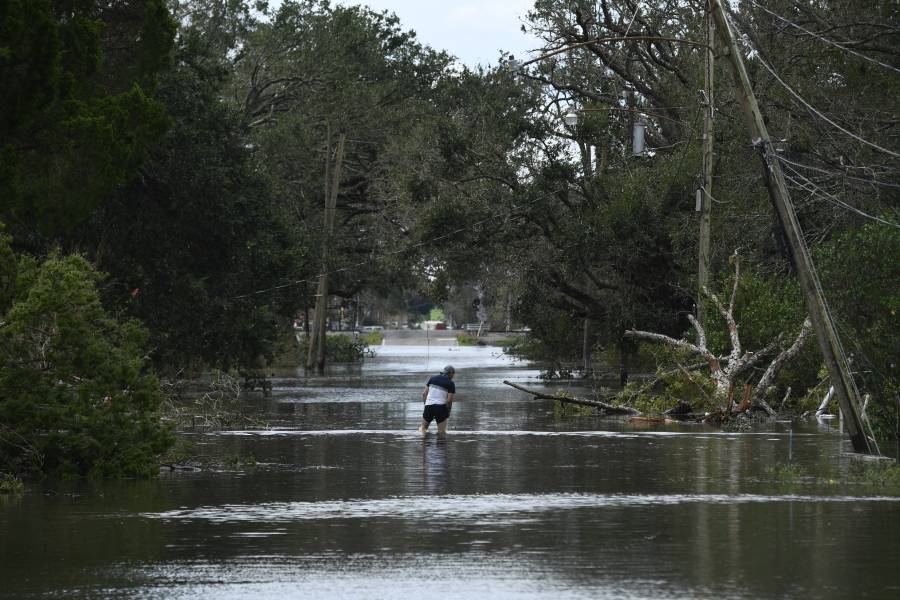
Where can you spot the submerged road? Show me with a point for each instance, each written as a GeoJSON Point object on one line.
{"type": "Point", "coordinates": [338, 496]}
{"type": "Point", "coordinates": [420, 337]}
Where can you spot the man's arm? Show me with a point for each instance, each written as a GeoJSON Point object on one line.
{"type": "Point", "coordinates": [425, 394]}
{"type": "Point", "coordinates": [449, 400]}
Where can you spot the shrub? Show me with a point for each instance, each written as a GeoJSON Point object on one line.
{"type": "Point", "coordinates": [372, 338]}
{"type": "Point", "coordinates": [464, 339]}
{"type": "Point", "coordinates": [338, 349]}
{"type": "Point", "coordinates": [75, 395]}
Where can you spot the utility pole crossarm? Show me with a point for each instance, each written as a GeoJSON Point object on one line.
{"type": "Point", "coordinates": [826, 332]}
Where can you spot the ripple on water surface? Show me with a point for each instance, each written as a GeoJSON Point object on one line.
{"type": "Point", "coordinates": [466, 507]}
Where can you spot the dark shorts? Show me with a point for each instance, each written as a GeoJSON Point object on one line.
{"type": "Point", "coordinates": [436, 412]}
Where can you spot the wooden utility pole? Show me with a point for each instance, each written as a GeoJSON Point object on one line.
{"type": "Point", "coordinates": [704, 194]}
{"type": "Point", "coordinates": [586, 346]}
{"type": "Point", "coordinates": [835, 361]}
{"type": "Point", "coordinates": [317, 343]}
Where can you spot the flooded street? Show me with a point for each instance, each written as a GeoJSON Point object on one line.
{"type": "Point", "coordinates": [347, 500]}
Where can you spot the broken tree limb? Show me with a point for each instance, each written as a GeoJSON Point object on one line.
{"type": "Point", "coordinates": [609, 408]}
{"type": "Point", "coordinates": [762, 404]}
{"type": "Point", "coordinates": [765, 382]}
{"type": "Point", "coordinates": [725, 370]}
{"type": "Point", "coordinates": [670, 341]}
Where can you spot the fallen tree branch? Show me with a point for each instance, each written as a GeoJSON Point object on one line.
{"type": "Point", "coordinates": [609, 408]}
{"type": "Point", "coordinates": [767, 379]}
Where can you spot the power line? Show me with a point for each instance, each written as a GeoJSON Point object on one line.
{"type": "Point", "coordinates": [814, 189]}
{"type": "Point", "coordinates": [396, 252]}
{"type": "Point", "coordinates": [824, 39]}
{"type": "Point", "coordinates": [705, 191]}
{"type": "Point", "coordinates": [819, 113]}
{"type": "Point", "coordinates": [838, 173]}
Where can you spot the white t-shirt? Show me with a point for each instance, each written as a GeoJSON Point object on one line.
{"type": "Point", "coordinates": [439, 387]}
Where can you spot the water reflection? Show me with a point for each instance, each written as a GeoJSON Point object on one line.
{"type": "Point", "coordinates": [436, 463]}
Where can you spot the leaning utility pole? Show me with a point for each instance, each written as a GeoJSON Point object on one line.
{"type": "Point", "coordinates": [317, 342]}
{"type": "Point", "coordinates": [835, 361]}
{"type": "Point", "coordinates": [704, 195]}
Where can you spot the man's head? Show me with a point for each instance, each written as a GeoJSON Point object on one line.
{"type": "Point", "coordinates": [449, 371]}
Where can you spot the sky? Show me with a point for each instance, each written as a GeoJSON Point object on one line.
{"type": "Point", "coordinates": [472, 30]}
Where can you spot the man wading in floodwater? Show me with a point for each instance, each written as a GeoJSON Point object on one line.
{"type": "Point", "coordinates": [438, 397]}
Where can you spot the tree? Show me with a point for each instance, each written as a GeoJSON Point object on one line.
{"type": "Point", "coordinates": [188, 241]}
{"type": "Point", "coordinates": [861, 267]}
{"type": "Point", "coordinates": [77, 118]}
{"type": "Point", "coordinates": [316, 68]}
{"type": "Point", "coordinates": [725, 369]}
{"type": "Point", "coordinates": [823, 77]}
{"type": "Point", "coordinates": [75, 396]}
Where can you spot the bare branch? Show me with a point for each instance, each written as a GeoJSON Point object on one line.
{"type": "Point", "coordinates": [765, 382]}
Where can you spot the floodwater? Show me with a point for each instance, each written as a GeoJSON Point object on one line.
{"type": "Point", "coordinates": [346, 500]}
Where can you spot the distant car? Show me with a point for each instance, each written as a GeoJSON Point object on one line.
{"type": "Point", "coordinates": [370, 328]}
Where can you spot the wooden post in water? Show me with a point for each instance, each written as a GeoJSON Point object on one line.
{"type": "Point", "coordinates": [832, 353]}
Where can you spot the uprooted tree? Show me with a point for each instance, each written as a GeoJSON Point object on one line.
{"type": "Point", "coordinates": [726, 370]}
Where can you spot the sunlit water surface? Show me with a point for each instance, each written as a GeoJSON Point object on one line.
{"type": "Point", "coordinates": [347, 501]}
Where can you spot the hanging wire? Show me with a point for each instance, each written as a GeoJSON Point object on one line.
{"type": "Point", "coordinates": [811, 187]}
{"type": "Point", "coordinates": [400, 251]}
{"type": "Point", "coordinates": [819, 113]}
{"type": "Point", "coordinates": [841, 352]}
{"type": "Point", "coordinates": [837, 173]}
{"type": "Point", "coordinates": [824, 39]}
{"type": "Point", "coordinates": [711, 197]}
{"type": "Point", "coordinates": [829, 316]}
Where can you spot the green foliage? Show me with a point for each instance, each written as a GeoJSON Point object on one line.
{"type": "Point", "coordinates": [77, 120]}
{"type": "Point", "coordinates": [883, 475]}
{"type": "Point", "coordinates": [8, 270]}
{"type": "Point", "coordinates": [11, 484]}
{"type": "Point", "coordinates": [507, 342]}
{"type": "Point", "coordinates": [436, 314]}
{"type": "Point", "coordinates": [766, 307]}
{"type": "Point", "coordinates": [671, 386]}
{"type": "Point", "coordinates": [551, 339]}
{"type": "Point", "coordinates": [187, 242]}
{"type": "Point", "coordinates": [860, 271]}
{"type": "Point", "coordinates": [567, 410]}
{"type": "Point", "coordinates": [464, 339]}
{"type": "Point", "coordinates": [75, 396]}
{"type": "Point", "coordinates": [648, 404]}
{"type": "Point", "coordinates": [372, 338]}
{"type": "Point", "coordinates": [338, 349]}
